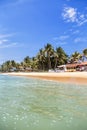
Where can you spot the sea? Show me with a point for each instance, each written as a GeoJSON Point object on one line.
{"type": "Point", "coordinates": [36, 104]}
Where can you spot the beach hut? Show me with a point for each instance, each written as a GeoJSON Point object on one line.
{"type": "Point", "coordinates": [61, 68]}
{"type": "Point", "coordinates": [82, 66]}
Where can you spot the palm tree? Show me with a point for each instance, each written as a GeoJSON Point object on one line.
{"type": "Point", "coordinates": [8, 64]}
{"type": "Point", "coordinates": [41, 59]}
{"type": "Point", "coordinates": [34, 63]}
{"type": "Point", "coordinates": [85, 53]}
{"type": "Point", "coordinates": [75, 57]}
{"type": "Point", "coordinates": [55, 59]}
{"type": "Point", "coordinates": [4, 67]}
{"type": "Point", "coordinates": [27, 61]}
{"type": "Point", "coordinates": [48, 54]}
{"type": "Point", "coordinates": [61, 56]}
{"type": "Point", "coordinates": [13, 63]}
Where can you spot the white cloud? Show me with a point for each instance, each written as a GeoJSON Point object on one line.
{"type": "Point", "coordinates": [76, 32]}
{"type": "Point", "coordinates": [5, 35]}
{"type": "Point", "coordinates": [64, 37]}
{"type": "Point", "coordinates": [71, 14]}
{"type": "Point", "coordinates": [80, 39]}
{"type": "Point", "coordinates": [82, 22]}
{"type": "Point", "coordinates": [61, 43]}
{"type": "Point", "coordinates": [61, 38]}
{"type": "Point", "coordinates": [5, 42]}
{"type": "Point", "coordinates": [8, 45]}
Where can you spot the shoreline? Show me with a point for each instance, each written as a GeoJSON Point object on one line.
{"type": "Point", "coordinates": [63, 77]}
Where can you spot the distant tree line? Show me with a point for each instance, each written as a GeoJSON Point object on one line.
{"type": "Point", "coordinates": [47, 58]}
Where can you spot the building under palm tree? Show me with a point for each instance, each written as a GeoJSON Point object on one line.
{"type": "Point", "coordinates": [82, 66]}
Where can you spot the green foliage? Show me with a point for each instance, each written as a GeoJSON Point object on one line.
{"type": "Point", "coordinates": [75, 57]}
{"type": "Point", "coordinates": [62, 56]}
{"type": "Point", "coordinates": [85, 52]}
{"type": "Point", "coordinates": [47, 58]}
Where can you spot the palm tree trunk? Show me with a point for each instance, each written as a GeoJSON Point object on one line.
{"type": "Point", "coordinates": [49, 61]}
{"type": "Point", "coordinates": [55, 63]}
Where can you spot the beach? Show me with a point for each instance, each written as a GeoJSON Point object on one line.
{"type": "Point", "coordinates": [65, 77]}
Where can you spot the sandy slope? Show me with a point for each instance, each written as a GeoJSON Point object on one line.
{"type": "Point", "coordinates": [70, 77]}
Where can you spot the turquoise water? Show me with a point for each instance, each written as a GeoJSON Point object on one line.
{"type": "Point", "coordinates": [31, 104]}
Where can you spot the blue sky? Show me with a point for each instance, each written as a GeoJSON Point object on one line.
{"type": "Point", "coordinates": [27, 25]}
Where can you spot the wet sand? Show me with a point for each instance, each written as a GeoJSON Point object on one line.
{"type": "Point", "coordinates": [66, 77]}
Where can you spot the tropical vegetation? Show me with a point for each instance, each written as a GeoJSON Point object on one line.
{"type": "Point", "coordinates": [47, 58]}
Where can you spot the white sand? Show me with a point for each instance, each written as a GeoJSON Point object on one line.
{"type": "Point", "coordinates": [70, 77]}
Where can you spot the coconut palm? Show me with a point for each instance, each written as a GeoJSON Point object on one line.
{"type": "Point", "coordinates": [41, 59]}
{"type": "Point", "coordinates": [6, 66]}
{"type": "Point", "coordinates": [34, 63]}
{"type": "Point", "coordinates": [13, 63]}
{"type": "Point", "coordinates": [85, 53]}
{"type": "Point", "coordinates": [27, 61]}
{"type": "Point", "coordinates": [75, 57]}
{"type": "Point", "coordinates": [62, 56]}
{"type": "Point", "coordinates": [55, 59]}
{"type": "Point", "coordinates": [49, 54]}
